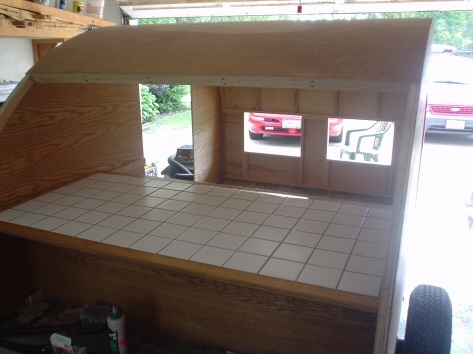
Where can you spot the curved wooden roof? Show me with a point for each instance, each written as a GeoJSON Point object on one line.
{"type": "Point", "coordinates": [239, 52]}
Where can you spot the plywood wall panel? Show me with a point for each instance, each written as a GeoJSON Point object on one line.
{"type": "Point", "coordinates": [393, 106]}
{"type": "Point", "coordinates": [359, 104]}
{"type": "Point", "coordinates": [278, 100]}
{"type": "Point", "coordinates": [361, 178]}
{"type": "Point", "coordinates": [318, 102]}
{"type": "Point", "coordinates": [207, 133]}
{"type": "Point", "coordinates": [59, 133]}
{"type": "Point", "coordinates": [314, 152]}
{"type": "Point", "coordinates": [234, 142]}
{"type": "Point", "coordinates": [246, 98]}
{"type": "Point", "coordinates": [274, 169]}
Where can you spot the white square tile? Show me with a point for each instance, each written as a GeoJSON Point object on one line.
{"type": "Point", "coordinates": [270, 233]}
{"type": "Point", "coordinates": [122, 187]}
{"type": "Point", "coordinates": [280, 268]}
{"type": "Point", "coordinates": [199, 236]}
{"type": "Point", "coordinates": [246, 262]}
{"type": "Point", "coordinates": [180, 249]}
{"type": "Point", "coordinates": [72, 228]}
{"type": "Point", "coordinates": [211, 200]}
{"type": "Point", "coordinates": [107, 195]}
{"type": "Point", "coordinates": [370, 249]}
{"type": "Point", "coordinates": [224, 213]}
{"type": "Point", "coordinates": [321, 276]}
{"type": "Point", "coordinates": [176, 205]}
{"type": "Point", "coordinates": [142, 190]}
{"type": "Point", "coordinates": [252, 217]}
{"type": "Point", "coordinates": [10, 214]}
{"type": "Point", "coordinates": [103, 185]}
{"type": "Point", "coordinates": [337, 244]}
{"type": "Point", "coordinates": [187, 196]}
{"type": "Point", "coordinates": [93, 217]}
{"type": "Point", "coordinates": [164, 193]}
{"type": "Point", "coordinates": [157, 183]}
{"type": "Point", "coordinates": [70, 213]}
{"type": "Point", "coordinates": [317, 227]}
{"type": "Point", "coordinates": [30, 205]}
{"type": "Point", "coordinates": [68, 189]}
{"type": "Point", "coordinates": [366, 265]}
{"type": "Point", "coordinates": [285, 222]}
{"type": "Point", "coordinates": [212, 255]}
{"type": "Point", "coordinates": [49, 223]}
{"type": "Point", "coordinates": [184, 219]}
{"type": "Point", "coordinates": [380, 213]}
{"type": "Point", "coordinates": [289, 210]}
{"type": "Point", "coordinates": [247, 195]}
{"type": "Point", "coordinates": [151, 244]}
{"type": "Point", "coordinates": [123, 238]}
{"type": "Point", "coordinates": [117, 221]}
{"type": "Point", "coordinates": [353, 209]}
{"type": "Point", "coordinates": [213, 224]}
{"type": "Point", "coordinates": [228, 241]}
{"type": "Point", "coordinates": [159, 214]}
{"type": "Point", "coordinates": [177, 186]}
{"type": "Point", "coordinates": [134, 211]}
{"type": "Point", "coordinates": [88, 193]}
{"type": "Point", "coordinates": [326, 205]}
{"type": "Point", "coordinates": [111, 207]}
{"type": "Point", "coordinates": [240, 228]}
{"type": "Point", "coordinates": [234, 203]}
{"type": "Point", "coordinates": [348, 219]}
{"type": "Point", "coordinates": [199, 209]}
{"type": "Point", "coordinates": [84, 183]}
{"type": "Point", "coordinates": [259, 246]}
{"type": "Point", "coordinates": [222, 192]}
{"type": "Point", "coordinates": [148, 201]}
{"type": "Point", "coordinates": [137, 181]}
{"type": "Point", "coordinates": [318, 215]}
{"type": "Point", "coordinates": [50, 209]}
{"type": "Point", "coordinates": [142, 226]}
{"type": "Point", "coordinates": [301, 202]}
{"type": "Point", "coordinates": [27, 219]}
{"type": "Point", "coordinates": [261, 207]}
{"type": "Point", "coordinates": [96, 233]}
{"type": "Point", "coordinates": [328, 259]}
{"type": "Point", "coordinates": [302, 238]}
{"type": "Point", "coordinates": [342, 231]}
{"type": "Point", "coordinates": [199, 188]}
{"type": "Point", "coordinates": [69, 200]}
{"type": "Point", "coordinates": [292, 253]}
{"type": "Point", "coordinates": [271, 198]}
{"type": "Point", "coordinates": [372, 235]}
{"type": "Point", "coordinates": [90, 203]}
{"type": "Point", "coordinates": [377, 224]}
{"type": "Point", "coordinates": [360, 284]}
{"type": "Point", "coordinates": [127, 198]}
{"type": "Point", "coordinates": [167, 230]}
{"type": "Point", "coordinates": [49, 197]}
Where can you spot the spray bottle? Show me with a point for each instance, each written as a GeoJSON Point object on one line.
{"type": "Point", "coordinates": [116, 326]}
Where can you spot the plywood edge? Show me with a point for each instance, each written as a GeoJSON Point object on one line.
{"type": "Point", "coordinates": [148, 261]}
{"type": "Point", "coordinates": [13, 99]}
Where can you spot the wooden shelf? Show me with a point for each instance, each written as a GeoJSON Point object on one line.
{"type": "Point", "coordinates": [25, 19]}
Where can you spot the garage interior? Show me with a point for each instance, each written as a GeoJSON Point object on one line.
{"type": "Point", "coordinates": [292, 5]}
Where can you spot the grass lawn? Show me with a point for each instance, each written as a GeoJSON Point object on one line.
{"type": "Point", "coordinates": [173, 121]}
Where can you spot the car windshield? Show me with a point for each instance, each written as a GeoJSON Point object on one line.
{"type": "Point", "coordinates": [451, 69]}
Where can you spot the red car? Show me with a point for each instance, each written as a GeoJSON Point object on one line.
{"type": "Point", "coordinates": [288, 125]}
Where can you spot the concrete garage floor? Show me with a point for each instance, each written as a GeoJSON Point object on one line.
{"type": "Point", "coordinates": [440, 247]}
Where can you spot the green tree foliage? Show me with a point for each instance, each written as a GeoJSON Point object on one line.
{"type": "Point", "coordinates": [149, 107]}
{"type": "Point", "coordinates": [169, 98]}
{"type": "Point", "coordinates": [452, 27]}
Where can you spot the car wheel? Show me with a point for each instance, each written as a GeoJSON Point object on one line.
{"type": "Point", "coordinates": [338, 138]}
{"type": "Point", "coordinates": [429, 321]}
{"type": "Point", "coordinates": [255, 136]}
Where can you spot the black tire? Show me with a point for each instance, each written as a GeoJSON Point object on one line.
{"type": "Point", "coordinates": [429, 321]}
{"type": "Point", "coordinates": [255, 136]}
{"type": "Point", "coordinates": [338, 138]}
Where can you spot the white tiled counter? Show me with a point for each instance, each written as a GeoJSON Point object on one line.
{"type": "Point", "coordinates": [330, 243]}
